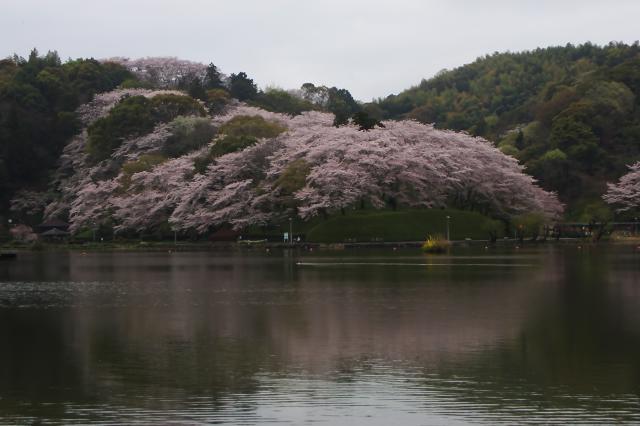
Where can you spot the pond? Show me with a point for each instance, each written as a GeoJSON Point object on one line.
{"type": "Point", "coordinates": [545, 334]}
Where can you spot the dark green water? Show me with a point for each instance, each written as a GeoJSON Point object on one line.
{"type": "Point", "coordinates": [538, 335]}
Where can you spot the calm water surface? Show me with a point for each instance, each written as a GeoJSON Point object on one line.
{"type": "Point", "coordinates": [545, 335]}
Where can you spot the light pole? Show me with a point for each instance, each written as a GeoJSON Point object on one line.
{"type": "Point", "coordinates": [448, 217]}
{"type": "Point", "coordinates": [635, 226]}
{"type": "Point", "coordinates": [290, 231]}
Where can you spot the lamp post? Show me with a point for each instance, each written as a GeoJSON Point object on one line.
{"type": "Point", "coordinates": [290, 231]}
{"type": "Point", "coordinates": [635, 226]}
{"type": "Point", "coordinates": [448, 217]}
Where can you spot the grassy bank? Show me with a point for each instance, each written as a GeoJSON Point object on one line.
{"type": "Point", "coordinates": [355, 226]}
{"type": "Point", "coordinates": [404, 225]}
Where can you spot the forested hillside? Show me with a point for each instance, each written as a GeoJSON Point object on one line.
{"type": "Point", "coordinates": [569, 114]}
{"type": "Point", "coordinates": [182, 148]}
{"type": "Point", "coordinates": [40, 96]}
{"type": "Point", "coordinates": [38, 99]}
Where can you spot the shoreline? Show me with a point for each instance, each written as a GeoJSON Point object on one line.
{"type": "Point", "coordinates": [9, 250]}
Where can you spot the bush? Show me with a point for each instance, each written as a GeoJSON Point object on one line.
{"type": "Point", "coordinates": [278, 100]}
{"type": "Point", "coordinates": [169, 106]}
{"type": "Point", "coordinates": [436, 244]}
{"type": "Point", "coordinates": [528, 225]}
{"type": "Point", "coordinates": [251, 126]}
{"type": "Point", "coordinates": [132, 83]}
{"type": "Point", "coordinates": [237, 134]}
{"type": "Point", "coordinates": [217, 99]}
{"type": "Point", "coordinates": [187, 134]}
{"type": "Point", "coordinates": [142, 164]}
{"type": "Point", "coordinates": [294, 176]}
{"type": "Point", "coordinates": [225, 145]}
{"type": "Point", "coordinates": [493, 228]}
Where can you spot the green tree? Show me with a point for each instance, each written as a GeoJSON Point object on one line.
{"type": "Point", "coordinates": [213, 78]}
{"type": "Point", "coordinates": [577, 139]}
{"type": "Point", "coordinates": [135, 116]}
{"type": "Point", "coordinates": [187, 134]}
{"type": "Point", "coordinates": [528, 225]}
{"type": "Point", "coordinates": [217, 100]}
{"type": "Point", "coordinates": [293, 177]}
{"type": "Point", "coordinates": [365, 122]}
{"type": "Point", "coordinates": [493, 229]}
{"type": "Point", "coordinates": [552, 169]}
{"type": "Point", "coordinates": [144, 163]}
{"type": "Point", "coordinates": [251, 126]}
{"type": "Point", "coordinates": [278, 100]}
{"type": "Point", "coordinates": [242, 87]}
{"type": "Point", "coordinates": [342, 105]}
{"type": "Point", "coordinates": [38, 99]}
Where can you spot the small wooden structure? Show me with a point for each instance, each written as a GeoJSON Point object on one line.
{"type": "Point", "coordinates": [53, 224]}
{"type": "Point", "coordinates": [54, 234]}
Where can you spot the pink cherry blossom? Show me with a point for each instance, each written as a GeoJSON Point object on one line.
{"type": "Point", "coordinates": [626, 193]}
{"type": "Point", "coordinates": [405, 164]}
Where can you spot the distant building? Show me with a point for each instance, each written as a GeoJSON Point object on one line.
{"type": "Point", "coordinates": [53, 228]}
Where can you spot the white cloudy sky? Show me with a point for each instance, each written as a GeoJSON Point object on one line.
{"type": "Point", "coordinates": [373, 48]}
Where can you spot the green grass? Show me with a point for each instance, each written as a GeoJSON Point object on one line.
{"type": "Point", "coordinates": [403, 225]}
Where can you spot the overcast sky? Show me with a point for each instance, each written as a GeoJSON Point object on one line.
{"type": "Point", "coordinates": [373, 48]}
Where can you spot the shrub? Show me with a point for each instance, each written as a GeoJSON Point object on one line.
{"type": "Point", "coordinates": [169, 106]}
{"type": "Point", "coordinates": [237, 134]}
{"type": "Point", "coordinates": [294, 176]}
{"type": "Point", "coordinates": [217, 99]}
{"type": "Point", "coordinates": [142, 164]}
{"type": "Point", "coordinates": [436, 244]}
{"type": "Point", "coordinates": [493, 228]}
{"type": "Point", "coordinates": [251, 126]}
{"type": "Point", "coordinates": [528, 225]}
{"type": "Point", "coordinates": [278, 100]}
{"type": "Point", "coordinates": [222, 146]}
{"type": "Point", "coordinates": [187, 134]}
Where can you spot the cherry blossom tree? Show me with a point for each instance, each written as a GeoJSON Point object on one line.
{"type": "Point", "coordinates": [406, 164]}
{"type": "Point", "coordinates": [23, 233]}
{"type": "Point", "coordinates": [161, 71]}
{"type": "Point", "coordinates": [626, 193]}
{"type": "Point", "coordinates": [29, 203]}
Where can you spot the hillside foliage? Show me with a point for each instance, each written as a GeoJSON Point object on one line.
{"type": "Point", "coordinates": [264, 167]}
{"type": "Point", "coordinates": [38, 100]}
{"type": "Point", "coordinates": [569, 114]}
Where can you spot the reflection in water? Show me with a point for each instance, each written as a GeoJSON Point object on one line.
{"type": "Point", "coordinates": [544, 335]}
